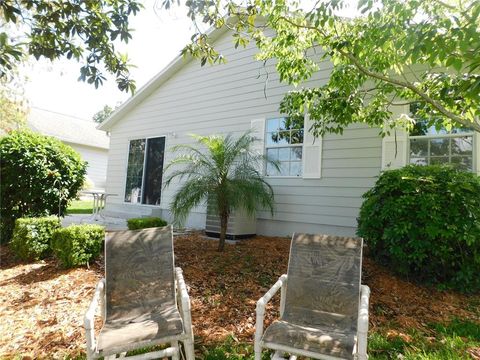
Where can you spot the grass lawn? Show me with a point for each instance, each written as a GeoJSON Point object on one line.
{"type": "Point", "coordinates": [42, 305]}
{"type": "Point", "coordinates": [80, 207]}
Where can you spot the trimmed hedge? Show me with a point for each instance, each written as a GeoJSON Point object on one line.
{"type": "Point", "coordinates": [424, 222]}
{"type": "Point", "coordinates": [40, 175]}
{"type": "Point", "coordinates": [31, 237]}
{"type": "Point", "coordinates": [77, 245]}
{"type": "Point", "coordinates": [147, 222]}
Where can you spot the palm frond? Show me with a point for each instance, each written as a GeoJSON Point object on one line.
{"type": "Point", "coordinates": [188, 196]}
{"type": "Point", "coordinates": [223, 169]}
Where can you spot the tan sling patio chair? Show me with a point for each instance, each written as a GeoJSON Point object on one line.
{"type": "Point", "coordinates": [143, 299]}
{"type": "Point", "coordinates": [323, 307]}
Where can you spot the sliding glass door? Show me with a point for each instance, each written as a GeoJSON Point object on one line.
{"type": "Point", "coordinates": [144, 171]}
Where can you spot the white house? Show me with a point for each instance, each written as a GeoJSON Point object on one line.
{"type": "Point", "coordinates": [321, 184]}
{"type": "Point", "coordinates": [82, 135]}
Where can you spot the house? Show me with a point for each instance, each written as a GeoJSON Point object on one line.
{"type": "Point", "coordinates": [82, 135]}
{"type": "Point", "coordinates": [320, 186]}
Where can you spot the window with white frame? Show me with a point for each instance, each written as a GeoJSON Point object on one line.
{"type": "Point", "coordinates": [430, 145]}
{"type": "Point", "coordinates": [284, 145]}
{"type": "Point", "coordinates": [144, 171]}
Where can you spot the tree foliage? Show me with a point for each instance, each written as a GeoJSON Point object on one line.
{"type": "Point", "coordinates": [102, 115]}
{"type": "Point", "coordinates": [392, 54]}
{"type": "Point", "coordinates": [40, 175]}
{"type": "Point", "coordinates": [81, 30]}
{"type": "Point", "coordinates": [222, 170]}
{"type": "Point", "coordinates": [13, 110]}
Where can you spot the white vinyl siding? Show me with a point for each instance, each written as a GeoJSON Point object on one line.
{"type": "Point", "coordinates": [232, 98]}
{"type": "Point", "coordinates": [395, 150]}
{"type": "Point", "coordinates": [97, 163]}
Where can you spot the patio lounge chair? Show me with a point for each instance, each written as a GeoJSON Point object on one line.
{"type": "Point", "coordinates": [323, 307]}
{"type": "Point", "coordinates": [138, 298]}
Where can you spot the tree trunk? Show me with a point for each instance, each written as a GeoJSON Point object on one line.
{"type": "Point", "coordinates": [223, 231]}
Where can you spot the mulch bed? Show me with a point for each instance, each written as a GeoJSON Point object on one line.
{"type": "Point", "coordinates": [42, 305]}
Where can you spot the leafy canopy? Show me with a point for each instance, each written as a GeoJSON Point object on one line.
{"type": "Point", "coordinates": [393, 53]}
{"type": "Point", "coordinates": [223, 170]}
{"type": "Point", "coordinates": [13, 108]}
{"type": "Point", "coordinates": [102, 115]}
{"type": "Point", "coordinates": [81, 30]}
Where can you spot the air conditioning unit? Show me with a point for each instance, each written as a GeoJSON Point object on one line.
{"type": "Point", "coordinates": [240, 225]}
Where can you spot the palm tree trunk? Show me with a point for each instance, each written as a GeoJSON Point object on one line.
{"type": "Point", "coordinates": [223, 231]}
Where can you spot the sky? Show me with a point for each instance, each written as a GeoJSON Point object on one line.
{"type": "Point", "coordinates": [158, 38]}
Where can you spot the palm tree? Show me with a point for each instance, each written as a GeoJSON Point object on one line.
{"type": "Point", "coordinates": [225, 173]}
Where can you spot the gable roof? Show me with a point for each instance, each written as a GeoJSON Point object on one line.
{"type": "Point", "coordinates": [176, 64]}
{"type": "Point", "coordinates": [67, 128]}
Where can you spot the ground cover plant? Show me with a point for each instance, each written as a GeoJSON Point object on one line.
{"type": "Point", "coordinates": [42, 305]}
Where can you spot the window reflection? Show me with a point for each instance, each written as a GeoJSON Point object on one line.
{"type": "Point", "coordinates": [144, 171]}
{"type": "Point", "coordinates": [284, 140]}
{"type": "Point", "coordinates": [437, 145]}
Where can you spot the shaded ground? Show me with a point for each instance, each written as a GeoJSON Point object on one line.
{"type": "Point", "coordinates": [42, 306]}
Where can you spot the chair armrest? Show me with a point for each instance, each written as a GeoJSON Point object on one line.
{"type": "Point", "coordinates": [182, 288]}
{"type": "Point", "coordinates": [185, 306]}
{"type": "Point", "coordinates": [362, 325]}
{"type": "Point", "coordinates": [88, 320]}
{"type": "Point", "coordinates": [263, 301]}
{"type": "Point", "coordinates": [363, 309]}
{"type": "Point", "coordinates": [98, 295]}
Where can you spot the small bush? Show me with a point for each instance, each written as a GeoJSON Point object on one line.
{"type": "Point", "coordinates": [78, 244]}
{"type": "Point", "coordinates": [31, 237]}
{"type": "Point", "coordinates": [424, 222]}
{"type": "Point", "coordinates": [142, 223]}
{"type": "Point", "coordinates": [40, 175]}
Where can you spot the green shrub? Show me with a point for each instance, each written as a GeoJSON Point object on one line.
{"type": "Point", "coordinates": [39, 176]}
{"type": "Point", "coordinates": [424, 222]}
{"type": "Point", "coordinates": [31, 237]}
{"type": "Point", "coordinates": [147, 222]}
{"type": "Point", "coordinates": [77, 244]}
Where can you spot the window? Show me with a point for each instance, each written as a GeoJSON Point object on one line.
{"type": "Point", "coordinates": [144, 171]}
{"type": "Point", "coordinates": [284, 143]}
{"type": "Point", "coordinates": [429, 145]}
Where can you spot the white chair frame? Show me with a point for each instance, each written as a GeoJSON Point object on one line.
{"type": "Point", "coordinates": [360, 350]}
{"type": "Point", "coordinates": [186, 337]}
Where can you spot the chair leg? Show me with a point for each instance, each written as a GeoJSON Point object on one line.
{"type": "Point", "coordinates": [189, 350]}
{"type": "Point", "coordinates": [362, 357]}
{"type": "Point", "coordinates": [258, 351]}
{"type": "Point", "coordinates": [174, 344]}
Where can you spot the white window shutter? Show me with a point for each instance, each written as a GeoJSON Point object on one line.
{"type": "Point", "coordinates": [258, 131]}
{"type": "Point", "coordinates": [395, 150]}
{"type": "Point", "coordinates": [312, 152]}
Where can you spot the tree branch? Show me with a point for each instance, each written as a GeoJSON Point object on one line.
{"type": "Point", "coordinates": [404, 84]}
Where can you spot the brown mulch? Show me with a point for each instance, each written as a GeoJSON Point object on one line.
{"type": "Point", "coordinates": [42, 305]}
